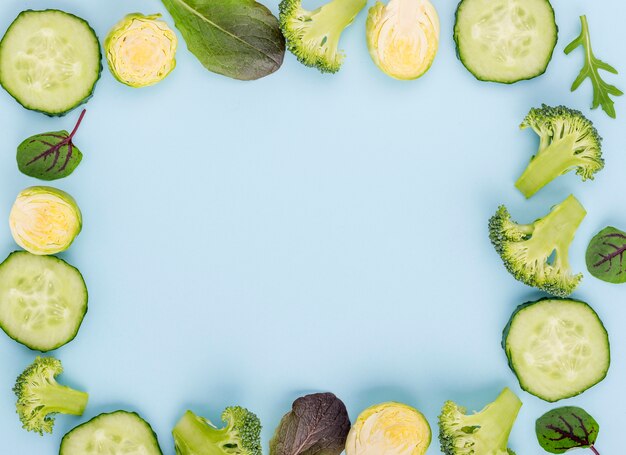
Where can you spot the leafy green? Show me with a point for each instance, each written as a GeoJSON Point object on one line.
{"type": "Point", "coordinates": [50, 156]}
{"type": "Point", "coordinates": [591, 69]}
{"type": "Point", "coordinates": [317, 424]}
{"type": "Point", "coordinates": [567, 428]}
{"type": "Point", "coordinates": [236, 38]}
{"type": "Point", "coordinates": [605, 255]}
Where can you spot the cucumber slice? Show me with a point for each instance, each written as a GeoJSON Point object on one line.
{"type": "Point", "coordinates": [43, 300]}
{"type": "Point", "coordinates": [50, 61]}
{"type": "Point", "coordinates": [505, 40]}
{"type": "Point", "coordinates": [115, 433]}
{"type": "Point", "coordinates": [558, 348]}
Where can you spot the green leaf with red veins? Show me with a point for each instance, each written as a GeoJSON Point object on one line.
{"type": "Point", "coordinates": [567, 428]}
{"type": "Point", "coordinates": [606, 255]}
{"type": "Point", "coordinates": [50, 156]}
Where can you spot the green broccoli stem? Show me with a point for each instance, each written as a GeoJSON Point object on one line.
{"type": "Point", "coordinates": [61, 399]}
{"type": "Point", "coordinates": [193, 436]}
{"type": "Point", "coordinates": [548, 164]}
{"type": "Point", "coordinates": [502, 413]}
{"type": "Point", "coordinates": [332, 18]}
{"type": "Point", "coordinates": [561, 223]}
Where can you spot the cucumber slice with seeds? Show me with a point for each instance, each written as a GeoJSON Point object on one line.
{"type": "Point", "coordinates": [50, 61]}
{"type": "Point", "coordinates": [43, 300]}
{"type": "Point", "coordinates": [116, 433]}
{"type": "Point", "coordinates": [505, 40]}
{"type": "Point", "coordinates": [558, 348]}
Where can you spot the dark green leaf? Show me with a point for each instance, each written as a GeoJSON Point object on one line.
{"type": "Point", "coordinates": [606, 255]}
{"type": "Point", "coordinates": [49, 156]}
{"type": "Point", "coordinates": [566, 428]}
{"type": "Point", "coordinates": [317, 424]}
{"type": "Point", "coordinates": [237, 38]}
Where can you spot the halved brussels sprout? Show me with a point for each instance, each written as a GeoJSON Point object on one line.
{"type": "Point", "coordinates": [45, 220]}
{"type": "Point", "coordinates": [141, 50]}
{"type": "Point", "coordinates": [389, 429]}
{"type": "Point", "coordinates": [403, 37]}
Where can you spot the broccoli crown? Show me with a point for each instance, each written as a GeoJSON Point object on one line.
{"type": "Point", "coordinates": [484, 433]}
{"type": "Point", "coordinates": [195, 435]}
{"type": "Point", "coordinates": [568, 141]}
{"type": "Point", "coordinates": [39, 396]}
{"type": "Point", "coordinates": [313, 36]}
{"type": "Point", "coordinates": [537, 254]}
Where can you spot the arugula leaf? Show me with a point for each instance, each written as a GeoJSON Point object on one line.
{"type": "Point", "coordinates": [50, 156]}
{"type": "Point", "coordinates": [236, 38]}
{"type": "Point", "coordinates": [317, 424]}
{"type": "Point", "coordinates": [591, 69]}
{"type": "Point", "coordinates": [606, 255]}
{"type": "Point", "coordinates": [567, 428]}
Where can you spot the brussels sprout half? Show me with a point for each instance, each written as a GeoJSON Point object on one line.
{"type": "Point", "coordinates": [390, 429]}
{"type": "Point", "coordinates": [141, 50]}
{"type": "Point", "coordinates": [45, 220]}
{"type": "Point", "coordinates": [403, 37]}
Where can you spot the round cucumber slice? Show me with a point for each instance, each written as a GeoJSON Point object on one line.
{"type": "Point", "coordinates": [505, 40]}
{"type": "Point", "coordinates": [119, 432]}
{"type": "Point", "coordinates": [43, 300]}
{"type": "Point", "coordinates": [50, 61]}
{"type": "Point", "coordinates": [558, 348]}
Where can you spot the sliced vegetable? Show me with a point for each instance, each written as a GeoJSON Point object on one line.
{"type": "Point", "coordinates": [50, 61]}
{"type": "Point", "coordinates": [389, 429]}
{"type": "Point", "coordinates": [602, 91]}
{"type": "Point", "coordinates": [43, 300]}
{"type": "Point", "coordinates": [481, 433]}
{"type": "Point", "coordinates": [141, 50]}
{"type": "Point", "coordinates": [317, 424]}
{"type": "Point", "coordinates": [118, 433]}
{"type": "Point", "coordinates": [313, 35]}
{"type": "Point", "coordinates": [50, 156]}
{"type": "Point", "coordinates": [505, 40]}
{"type": "Point", "coordinates": [568, 141]}
{"type": "Point", "coordinates": [605, 255]}
{"type": "Point", "coordinates": [557, 348]}
{"type": "Point", "coordinates": [45, 220]}
{"type": "Point", "coordinates": [403, 37]}
{"type": "Point", "coordinates": [537, 254]}
{"type": "Point", "coordinates": [567, 428]}
{"type": "Point", "coordinates": [40, 396]}
{"type": "Point", "coordinates": [195, 435]}
{"type": "Point", "coordinates": [236, 38]}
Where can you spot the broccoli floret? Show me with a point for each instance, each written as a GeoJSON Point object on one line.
{"type": "Point", "coordinates": [483, 433]}
{"type": "Point", "coordinates": [568, 141]}
{"type": "Point", "coordinates": [537, 254]}
{"type": "Point", "coordinates": [195, 435]}
{"type": "Point", "coordinates": [39, 396]}
{"type": "Point", "coordinates": [313, 36]}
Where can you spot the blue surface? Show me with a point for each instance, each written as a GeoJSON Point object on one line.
{"type": "Point", "coordinates": [251, 242]}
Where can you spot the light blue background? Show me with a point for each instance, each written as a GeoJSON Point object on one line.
{"type": "Point", "coordinates": [246, 243]}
